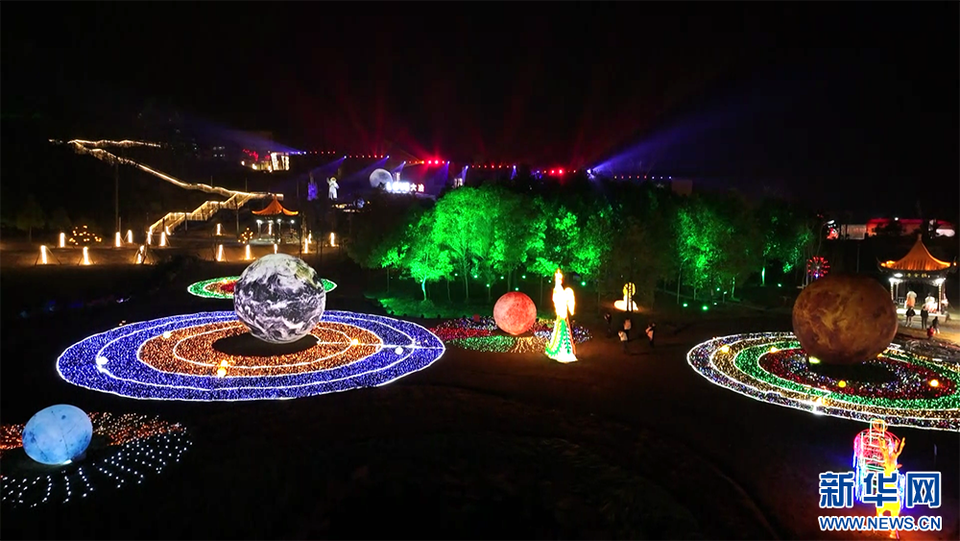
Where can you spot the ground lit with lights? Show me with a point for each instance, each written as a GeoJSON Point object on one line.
{"type": "Point", "coordinates": [173, 358]}
{"type": "Point", "coordinates": [222, 288]}
{"type": "Point", "coordinates": [771, 367]}
{"type": "Point", "coordinates": [483, 335]}
{"type": "Point", "coordinates": [125, 450]}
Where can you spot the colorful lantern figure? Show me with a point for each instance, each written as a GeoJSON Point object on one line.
{"type": "Point", "coordinates": [332, 189]}
{"type": "Point", "coordinates": [627, 304]}
{"type": "Point", "coordinates": [817, 267]}
{"type": "Point", "coordinates": [875, 451]}
{"type": "Point", "coordinates": [561, 347]}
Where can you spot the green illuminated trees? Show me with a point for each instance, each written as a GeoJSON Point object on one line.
{"type": "Point", "coordinates": [637, 233]}
{"type": "Point", "coordinates": [463, 225]}
{"type": "Point", "coordinates": [787, 235]}
{"type": "Point", "coordinates": [421, 255]}
{"type": "Point", "coordinates": [699, 230]}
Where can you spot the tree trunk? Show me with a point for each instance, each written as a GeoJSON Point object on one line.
{"type": "Point", "coordinates": [541, 291]}
{"type": "Point", "coordinates": [423, 287]}
{"type": "Point", "coordinates": [388, 279]}
{"type": "Point", "coordinates": [449, 299]}
{"type": "Point", "coordinates": [733, 289]}
{"type": "Point", "coordinates": [466, 285]}
{"type": "Point", "coordinates": [679, 277]}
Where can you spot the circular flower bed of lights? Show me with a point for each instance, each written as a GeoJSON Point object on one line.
{"type": "Point", "coordinates": [771, 367]}
{"type": "Point", "coordinates": [125, 448]}
{"type": "Point", "coordinates": [222, 288]}
{"type": "Point", "coordinates": [484, 335]}
{"type": "Point", "coordinates": [172, 358]}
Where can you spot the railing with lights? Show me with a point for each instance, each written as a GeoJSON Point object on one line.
{"type": "Point", "coordinates": [171, 220]}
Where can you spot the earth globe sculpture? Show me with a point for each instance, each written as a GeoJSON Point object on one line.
{"type": "Point", "coordinates": [279, 298]}
{"type": "Point", "coordinates": [844, 319]}
{"type": "Point", "coordinates": [380, 177]}
{"type": "Point", "coordinates": [515, 313]}
{"type": "Point", "coordinates": [57, 435]}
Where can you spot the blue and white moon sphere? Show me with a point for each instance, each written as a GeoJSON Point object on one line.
{"type": "Point", "coordinates": [57, 435]}
{"type": "Point", "coordinates": [279, 298]}
{"type": "Point", "coordinates": [380, 177]}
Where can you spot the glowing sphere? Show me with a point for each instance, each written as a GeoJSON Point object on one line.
{"type": "Point", "coordinates": [844, 319]}
{"type": "Point", "coordinates": [279, 298]}
{"type": "Point", "coordinates": [57, 435]}
{"type": "Point", "coordinates": [380, 176]}
{"type": "Point", "coordinates": [515, 313]}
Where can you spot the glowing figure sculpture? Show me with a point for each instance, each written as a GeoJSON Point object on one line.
{"type": "Point", "coordinates": [57, 435]}
{"type": "Point", "coordinates": [43, 255]}
{"type": "Point", "coordinates": [279, 298]}
{"type": "Point", "coordinates": [63, 240]}
{"type": "Point", "coordinates": [129, 236]}
{"type": "Point", "coordinates": [118, 240]}
{"type": "Point", "coordinates": [627, 304]}
{"type": "Point", "coordinates": [875, 451]}
{"type": "Point", "coordinates": [561, 347]}
{"type": "Point", "coordinates": [333, 187]}
{"type": "Point", "coordinates": [86, 255]}
{"type": "Point", "coordinates": [163, 239]}
{"type": "Point", "coordinates": [246, 253]}
{"type": "Point", "coordinates": [219, 252]}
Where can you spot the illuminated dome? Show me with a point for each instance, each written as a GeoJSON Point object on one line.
{"type": "Point", "coordinates": [380, 177]}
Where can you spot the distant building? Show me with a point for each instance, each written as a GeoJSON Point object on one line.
{"type": "Point", "coordinates": [907, 226]}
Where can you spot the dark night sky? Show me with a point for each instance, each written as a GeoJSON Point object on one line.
{"type": "Point", "coordinates": [858, 98]}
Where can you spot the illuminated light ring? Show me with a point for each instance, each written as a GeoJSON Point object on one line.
{"type": "Point", "coordinates": [209, 289]}
{"type": "Point", "coordinates": [729, 362]}
{"type": "Point", "coordinates": [157, 351]}
{"type": "Point", "coordinates": [136, 445]}
{"type": "Point", "coordinates": [109, 362]}
{"type": "Point", "coordinates": [483, 336]}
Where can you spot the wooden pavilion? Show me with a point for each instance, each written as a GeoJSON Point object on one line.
{"type": "Point", "coordinates": [918, 266]}
{"type": "Point", "coordinates": [274, 213]}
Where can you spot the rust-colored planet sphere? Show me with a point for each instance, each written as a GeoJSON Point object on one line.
{"type": "Point", "coordinates": [515, 313]}
{"type": "Point", "coordinates": [844, 319]}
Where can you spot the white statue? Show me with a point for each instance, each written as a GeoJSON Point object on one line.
{"type": "Point", "coordinates": [332, 192]}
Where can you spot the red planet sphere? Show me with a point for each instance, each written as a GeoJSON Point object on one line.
{"type": "Point", "coordinates": [844, 319]}
{"type": "Point", "coordinates": [515, 313]}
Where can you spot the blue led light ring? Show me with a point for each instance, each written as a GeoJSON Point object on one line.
{"type": "Point", "coordinates": [125, 374]}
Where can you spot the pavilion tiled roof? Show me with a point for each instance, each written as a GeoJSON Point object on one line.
{"type": "Point", "coordinates": [917, 259]}
{"type": "Point", "coordinates": [275, 208]}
